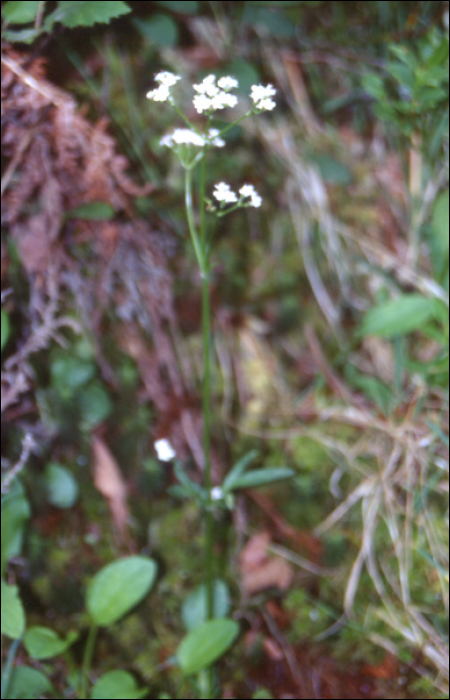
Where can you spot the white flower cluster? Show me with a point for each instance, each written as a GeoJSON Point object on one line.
{"type": "Point", "coordinates": [223, 194]}
{"type": "Point", "coordinates": [213, 94]}
{"type": "Point", "coordinates": [166, 81]}
{"type": "Point", "coordinates": [187, 136]}
{"type": "Point", "coordinates": [261, 96]}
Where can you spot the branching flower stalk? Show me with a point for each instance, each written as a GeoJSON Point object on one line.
{"type": "Point", "coordinates": [191, 145]}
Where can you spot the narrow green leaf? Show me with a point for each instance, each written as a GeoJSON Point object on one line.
{"type": "Point", "coordinates": [93, 211]}
{"type": "Point", "coordinates": [118, 587]}
{"type": "Point", "coordinates": [21, 12]}
{"type": "Point", "coordinates": [205, 644]}
{"type": "Point", "coordinates": [195, 606]}
{"type": "Point", "coordinates": [262, 477]}
{"type": "Point", "coordinates": [5, 330]}
{"type": "Point", "coordinates": [440, 223]}
{"type": "Point", "coordinates": [43, 643]}
{"type": "Point", "coordinates": [117, 685]}
{"type": "Point", "coordinates": [238, 469]}
{"type": "Point", "coordinates": [405, 314]}
{"type": "Point", "coordinates": [12, 614]}
{"type": "Point", "coordinates": [85, 13]}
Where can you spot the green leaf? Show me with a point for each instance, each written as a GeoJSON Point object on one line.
{"type": "Point", "coordinates": [85, 13]}
{"type": "Point", "coordinates": [237, 470]}
{"type": "Point", "coordinates": [5, 330]}
{"type": "Point", "coordinates": [162, 30]}
{"type": "Point", "coordinates": [22, 12]}
{"type": "Point", "coordinates": [262, 477]}
{"type": "Point", "coordinates": [205, 644]}
{"type": "Point", "coordinates": [195, 606]}
{"type": "Point", "coordinates": [24, 36]}
{"type": "Point", "coordinates": [15, 510]}
{"type": "Point", "coordinates": [70, 373]}
{"type": "Point", "coordinates": [117, 685]}
{"type": "Point", "coordinates": [405, 314]}
{"type": "Point", "coordinates": [12, 614]}
{"type": "Point", "coordinates": [118, 587]}
{"type": "Point", "coordinates": [62, 486]}
{"type": "Point", "coordinates": [332, 171]}
{"type": "Point", "coordinates": [27, 683]}
{"type": "Point", "coordinates": [440, 223]}
{"type": "Point", "coordinates": [188, 484]}
{"type": "Point", "coordinates": [43, 643]}
{"type": "Point", "coordinates": [94, 211]}
{"type": "Point", "coordinates": [95, 406]}
{"type": "Point", "coordinates": [183, 7]}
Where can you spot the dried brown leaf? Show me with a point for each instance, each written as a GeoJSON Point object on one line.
{"type": "Point", "coordinates": [109, 481]}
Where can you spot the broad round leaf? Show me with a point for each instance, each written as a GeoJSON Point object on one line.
{"type": "Point", "coordinates": [194, 607]}
{"type": "Point", "coordinates": [43, 643]}
{"type": "Point", "coordinates": [204, 645]}
{"type": "Point", "coordinates": [117, 685]}
{"type": "Point", "coordinates": [118, 587]}
{"type": "Point", "coordinates": [13, 616]}
{"type": "Point", "coordinates": [26, 682]}
{"type": "Point", "coordinates": [61, 485]}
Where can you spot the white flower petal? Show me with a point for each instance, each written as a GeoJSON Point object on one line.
{"type": "Point", "coordinates": [202, 103]}
{"type": "Point", "coordinates": [227, 83]}
{"type": "Point", "coordinates": [247, 190]}
{"type": "Point", "coordinates": [166, 78]}
{"type": "Point", "coordinates": [164, 450]}
{"type": "Point", "coordinates": [216, 493]}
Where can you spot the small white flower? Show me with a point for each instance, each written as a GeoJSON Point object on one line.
{"type": "Point", "coordinates": [223, 193]}
{"type": "Point", "coordinates": [167, 79]}
{"type": "Point", "coordinates": [207, 86]}
{"type": "Point", "coordinates": [255, 200]}
{"type": "Point", "coordinates": [261, 95]}
{"type": "Point", "coordinates": [164, 450]}
{"type": "Point", "coordinates": [214, 139]}
{"type": "Point", "coordinates": [202, 103]}
{"type": "Point", "coordinates": [227, 83]}
{"type": "Point", "coordinates": [160, 94]}
{"type": "Point", "coordinates": [167, 141]}
{"type": "Point", "coordinates": [216, 493]}
{"type": "Point", "coordinates": [182, 136]}
{"type": "Point", "coordinates": [249, 191]}
{"type": "Point", "coordinates": [188, 136]}
{"type": "Point", "coordinates": [223, 99]}
{"type": "Point", "coordinates": [266, 104]}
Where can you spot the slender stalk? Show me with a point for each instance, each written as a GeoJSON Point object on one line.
{"type": "Point", "coordinates": [206, 334]}
{"type": "Point", "coordinates": [87, 660]}
{"type": "Point", "coordinates": [6, 674]}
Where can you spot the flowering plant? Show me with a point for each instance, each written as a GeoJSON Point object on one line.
{"type": "Point", "coordinates": [191, 144]}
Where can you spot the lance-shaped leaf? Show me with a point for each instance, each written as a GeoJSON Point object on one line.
{"type": "Point", "coordinates": [237, 470]}
{"type": "Point", "coordinates": [261, 477]}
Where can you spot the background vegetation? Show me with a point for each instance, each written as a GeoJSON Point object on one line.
{"type": "Point", "coordinates": [330, 307]}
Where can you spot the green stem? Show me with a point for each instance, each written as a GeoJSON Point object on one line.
{"type": "Point", "coordinates": [6, 675]}
{"type": "Point", "coordinates": [87, 661]}
{"type": "Point", "coordinates": [206, 334]}
{"type": "Point", "coordinates": [190, 218]}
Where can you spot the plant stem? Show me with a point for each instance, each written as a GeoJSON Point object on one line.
{"type": "Point", "coordinates": [87, 660]}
